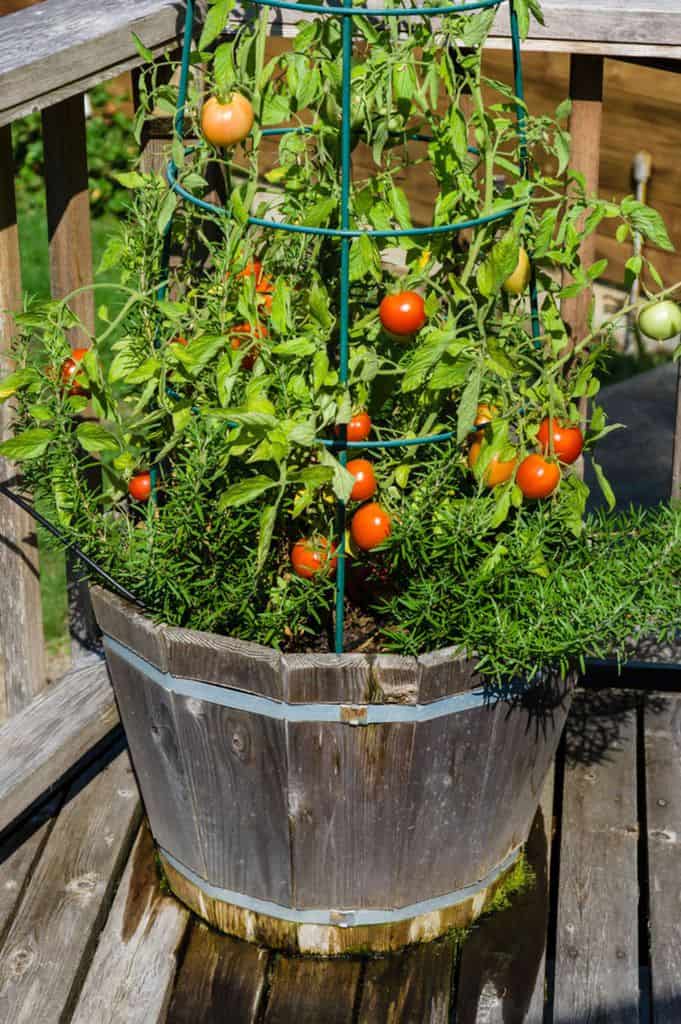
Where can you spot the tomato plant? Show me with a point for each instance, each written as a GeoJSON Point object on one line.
{"type": "Point", "coordinates": [365, 485]}
{"type": "Point", "coordinates": [537, 477]}
{"type": "Point", "coordinates": [70, 368]}
{"type": "Point", "coordinates": [246, 410]}
{"type": "Point", "coordinates": [309, 557]}
{"type": "Point", "coordinates": [403, 313]}
{"type": "Point", "coordinates": [370, 526]}
{"type": "Point", "coordinates": [225, 124]}
{"type": "Point", "coordinates": [139, 486]}
{"type": "Point", "coordinates": [565, 442]}
{"type": "Point", "coordinates": [660, 320]}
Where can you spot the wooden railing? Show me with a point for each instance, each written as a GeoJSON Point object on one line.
{"type": "Point", "coordinates": [54, 51]}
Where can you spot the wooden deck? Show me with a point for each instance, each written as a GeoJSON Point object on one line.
{"type": "Point", "coordinates": [88, 936]}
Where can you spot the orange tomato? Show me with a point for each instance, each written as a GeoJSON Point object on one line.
{"type": "Point", "coordinates": [260, 331]}
{"type": "Point", "coordinates": [403, 313]}
{"type": "Point", "coordinates": [139, 487]}
{"type": "Point", "coordinates": [225, 124]}
{"type": "Point", "coordinates": [517, 282]}
{"type": "Point", "coordinates": [308, 557]}
{"type": "Point", "coordinates": [567, 441]}
{"type": "Point", "coordinates": [264, 286]}
{"type": "Point", "coordinates": [370, 526]}
{"type": "Point", "coordinates": [497, 472]}
{"type": "Point", "coordinates": [365, 479]}
{"type": "Point", "coordinates": [537, 477]}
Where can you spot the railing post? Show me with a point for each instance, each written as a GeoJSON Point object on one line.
{"type": "Point", "coordinates": [676, 453]}
{"type": "Point", "coordinates": [68, 225]}
{"type": "Point", "coordinates": [22, 648]}
{"type": "Point", "coordinates": [586, 93]}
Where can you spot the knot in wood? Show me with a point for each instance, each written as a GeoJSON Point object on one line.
{"type": "Point", "coordinates": [20, 960]}
{"type": "Point", "coordinates": [241, 742]}
{"type": "Point", "coordinates": [83, 886]}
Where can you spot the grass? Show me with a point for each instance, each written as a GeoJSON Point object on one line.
{"type": "Point", "coordinates": [35, 277]}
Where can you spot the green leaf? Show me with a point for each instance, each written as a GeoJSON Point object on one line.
{"type": "Point", "coordinates": [647, 221]}
{"type": "Point", "coordinates": [215, 22]}
{"type": "Point", "coordinates": [275, 108]}
{"type": "Point", "coordinates": [319, 213]}
{"type": "Point", "coordinates": [318, 301]}
{"type": "Point", "coordinates": [468, 406]}
{"type": "Point", "coordinates": [341, 481]}
{"type": "Point", "coordinates": [400, 205]}
{"type": "Point", "coordinates": [130, 179]}
{"type": "Point", "coordinates": [268, 517]}
{"type": "Point", "coordinates": [30, 444]}
{"type": "Point", "coordinates": [314, 476]}
{"type": "Point", "coordinates": [604, 485]}
{"type": "Point", "coordinates": [295, 347]}
{"type": "Point", "coordinates": [363, 258]}
{"type": "Point", "coordinates": [245, 491]}
{"type": "Point", "coordinates": [17, 381]}
{"type": "Point", "coordinates": [501, 262]}
{"type": "Point", "coordinates": [223, 67]}
{"type": "Point", "coordinates": [200, 351]}
{"type": "Point", "coordinates": [424, 358]}
{"type": "Point", "coordinates": [144, 51]}
{"type": "Point", "coordinates": [95, 438]}
{"type": "Point", "coordinates": [165, 214]}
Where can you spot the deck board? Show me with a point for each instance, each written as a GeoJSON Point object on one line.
{"type": "Point", "coordinates": [308, 991]}
{"type": "Point", "coordinates": [597, 932]}
{"type": "Point", "coordinates": [56, 925]}
{"type": "Point", "coordinates": [220, 978]}
{"type": "Point", "coordinates": [131, 977]}
{"type": "Point", "coordinates": [663, 804]}
{"type": "Point", "coordinates": [412, 987]}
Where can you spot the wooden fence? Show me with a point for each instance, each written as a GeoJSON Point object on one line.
{"type": "Point", "coordinates": [50, 54]}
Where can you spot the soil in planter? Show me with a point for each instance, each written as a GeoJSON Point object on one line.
{"type": "Point", "coordinates": [362, 634]}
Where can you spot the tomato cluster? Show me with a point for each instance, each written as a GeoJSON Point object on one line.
{"type": "Point", "coordinates": [535, 475]}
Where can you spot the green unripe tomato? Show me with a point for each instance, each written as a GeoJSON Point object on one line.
{"type": "Point", "coordinates": [660, 320]}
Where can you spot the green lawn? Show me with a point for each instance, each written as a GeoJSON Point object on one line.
{"type": "Point", "coordinates": [36, 281]}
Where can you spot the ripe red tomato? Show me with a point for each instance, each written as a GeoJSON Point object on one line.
{"type": "Point", "coordinates": [308, 557]}
{"type": "Point", "coordinates": [139, 487]}
{"type": "Point", "coordinates": [179, 340]}
{"type": "Point", "coordinates": [359, 427]}
{"type": "Point", "coordinates": [225, 124]}
{"type": "Point", "coordinates": [241, 334]}
{"type": "Point", "coordinates": [403, 313]}
{"type": "Point", "coordinates": [69, 370]}
{"type": "Point", "coordinates": [567, 441]}
{"type": "Point", "coordinates": [537, 477]}
{"type": "Point", "coordinates": [370, 525]}
{"type": "Point", "coordinates": [365, 479]}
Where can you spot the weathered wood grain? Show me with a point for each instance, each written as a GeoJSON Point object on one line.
{"type": "Point", "coordinates": [18, 853]}
{"type": "Point", "coordinates": [122, 621]}
{"type": "Point", "coordinates": [311, 991]}
{"type": "Point", "coordinates": [74, 45]}
{"type": "Point", "coordinates": [597, 938]}
{"type": "Point", "coordinates": [22, 649]}
{"type": "Point", "coordinates": [158, 759]}
{"type": "Point", "coordinates": [236, 774]}
{"type": "Point", "coordinates": [413, 987]}
{"type": "Point", "coordinates": [218, 976]}
{"type": "Point", "coordinates": [663, 802]}
{"type": "Point", "coordinates": [395, 679]}
{"type": "Point", "coordinates": [676, 453]}
{"type": "Point", "coordinates": [54, 931]}
{"type": "Point", "coordinates": [131, 977]}
{"type": "Point", "coordinates": [223, 660]}
{"type": "Point", "coordinates": [327, 678]}
{"type": "Point", "coordinates": [445, 672]}
{"type": "Point", "coordinates": [49, 736]}
{"type": "Point", "coordinates": [348, 821]}
{"type": "Point", "coordinates": [501, 973]}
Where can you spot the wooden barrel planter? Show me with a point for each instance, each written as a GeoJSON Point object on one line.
{"type": "Point", "coordinates": [327, 803]}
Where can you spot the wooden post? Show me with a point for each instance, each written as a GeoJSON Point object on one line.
{"type": "Point", "coordinates": [22, 650]}
{"type": "Point", "coordinates": [68, 225]}
{"type": "Point", "coordinates": [586, 93]}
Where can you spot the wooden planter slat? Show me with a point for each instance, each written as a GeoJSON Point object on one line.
{"type": "Point", "coordinates": [120, 620]}
{"type": "Point", "coordinates": [236, 765]}
{"type": "Point", "coordinates": [224, 660]}
{"type": "Point", "coordinates": [149, 721]}
{"type": "Point", "coordinates": [341, 811]}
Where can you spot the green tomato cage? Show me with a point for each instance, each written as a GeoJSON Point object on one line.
{"type": "Point", "coordinates": [345, 233]}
